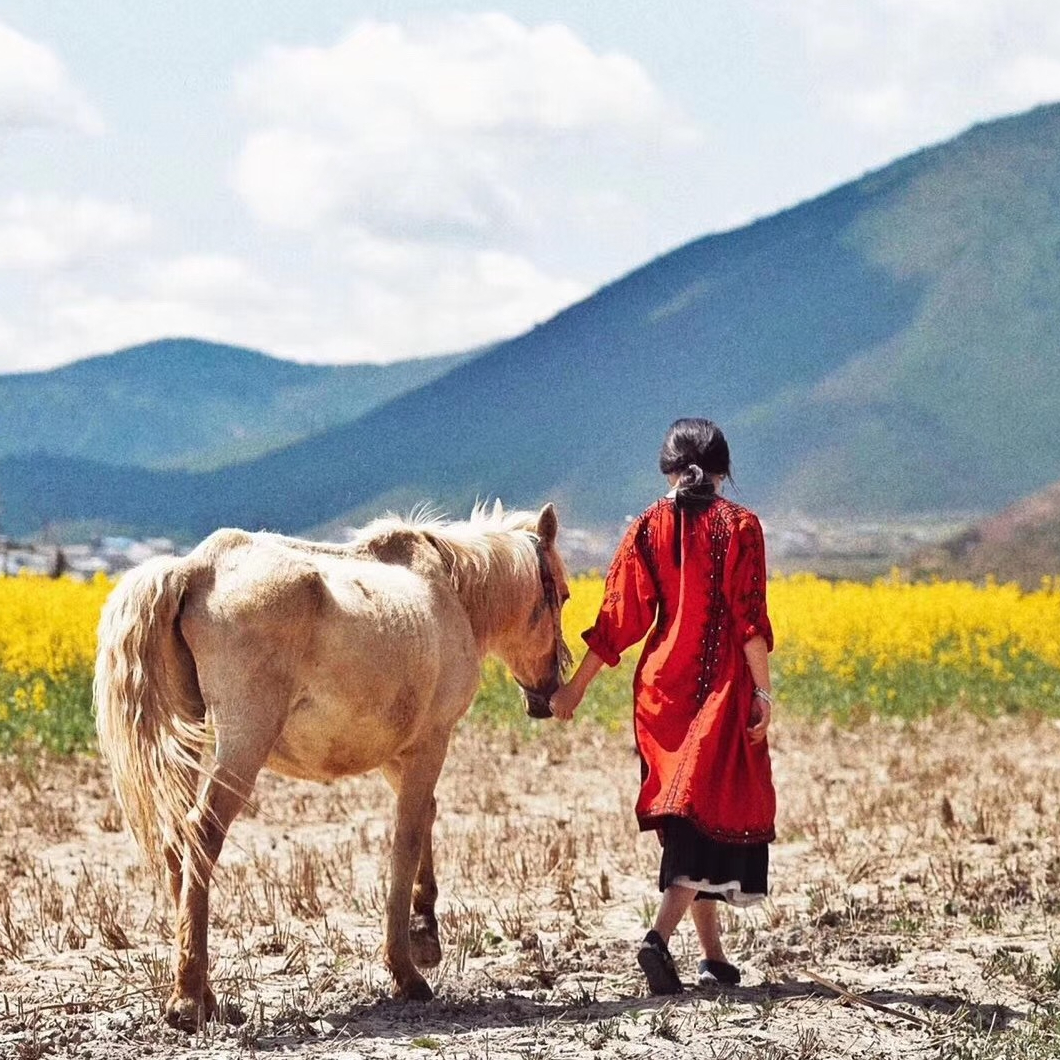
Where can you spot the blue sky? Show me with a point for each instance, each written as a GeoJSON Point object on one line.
{"type": "Point", "coordinates": [339, 182]}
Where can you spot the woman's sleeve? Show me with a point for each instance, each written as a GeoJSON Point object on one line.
{"type": "Point", "coordinates": [750, 616]}
{"type": "Point", "coordinates": [630, 597]}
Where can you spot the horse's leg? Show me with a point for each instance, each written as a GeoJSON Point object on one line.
{"type": "Point", "coordinates": [423, 925]}
{"type": "Point", "coordinates": [423, 929]}
{"type": "Point", "coordinates": [414, 779]}
{"type": "Point", "coordinates": [192, 1002]}
{"type": "Point", "coordinates": [174, 847]}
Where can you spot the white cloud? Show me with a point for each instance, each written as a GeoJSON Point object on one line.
{"type": "Point", "coordinates": [918, 69]}
{"type": "Point", "coordinates": [462, 73]}
{"type": "Point", "coordinates": [1034, 77]}
{"type": "Point", "coordinates": [394, 300]}
{"type": "Point", "coordinates": [7, 340]}
{"type": "Point", "coordinates": [410, 299]}
{"type": "Point", "coordinates": [437, 161]}
{"type": "Point", "coordinates": [47, 232]}
{"type": "Point", "coordinates": [209, 296]}
{"type": "Point", "coordinates": [210, 279]}
{"type": "Point", "coordinates": [442, 129]}
{"type": "Point", "coordinates": [35, 90]}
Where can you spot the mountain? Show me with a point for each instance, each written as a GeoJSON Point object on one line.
{"type": "Point", "coordinates": [186, 403]}
{"type": "Point", "coordinates": [891, 347]}
{"type": "Point", "coordinates": [1020, 544]}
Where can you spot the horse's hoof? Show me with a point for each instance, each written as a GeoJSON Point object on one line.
{"type": "Point", "coordinates": [185, 1013]}
{"type": "Point", "coordinates": [189, 1013]}
{"type": "Point", "coordinates": [414, 990]}
{"type": "Point", "coordinates": [424, 944]}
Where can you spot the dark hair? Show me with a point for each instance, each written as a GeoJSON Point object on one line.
{"type": "Point", "coordinates": [694, 448]}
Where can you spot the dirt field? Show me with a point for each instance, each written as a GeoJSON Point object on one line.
{"type": "Point", "coordinates": [917, 867]}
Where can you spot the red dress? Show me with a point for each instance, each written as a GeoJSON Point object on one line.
{"type": "Point", "coordinates": [697, 579]}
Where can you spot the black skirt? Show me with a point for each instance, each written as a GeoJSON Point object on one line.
{"type": "Point", "coordinates": [737, 873]}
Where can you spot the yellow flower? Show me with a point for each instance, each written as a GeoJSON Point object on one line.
{"type": "Point", "coordinates": [48, 626]}
{"type": "Point", "coordinates": [843, 642]}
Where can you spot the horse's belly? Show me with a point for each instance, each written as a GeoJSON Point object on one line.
{"type": "Point", "coordinates": [320, 742]}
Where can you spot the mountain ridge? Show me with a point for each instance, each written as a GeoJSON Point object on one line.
{"type": "Point", "coordinates": [889, 347]}
{"type": "Point", "coordinates": [187, 402]}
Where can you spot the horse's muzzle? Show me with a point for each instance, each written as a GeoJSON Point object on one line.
{"type": "Point", "coordinates": [538, 700]}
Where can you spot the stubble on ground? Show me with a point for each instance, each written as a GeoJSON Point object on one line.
{"type": "Point", "coordinates": [916, 869]}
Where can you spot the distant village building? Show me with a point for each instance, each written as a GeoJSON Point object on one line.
{"type": "Point", "coordinates": [107, 555]}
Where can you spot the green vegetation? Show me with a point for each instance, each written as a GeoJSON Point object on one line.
{"type": "Point", "coordinates": [47, 712]}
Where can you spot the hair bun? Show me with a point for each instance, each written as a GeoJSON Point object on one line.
{"type": "Point", "coordinates": [691, 476]}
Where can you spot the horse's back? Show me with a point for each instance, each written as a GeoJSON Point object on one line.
{"type": "Point", "coordinates": [347, 650]}
{"type": "Point", "coordinates": [249, 587]}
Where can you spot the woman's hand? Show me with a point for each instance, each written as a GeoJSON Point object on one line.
{"type": "Point", "coordinates": [566, 698]}
{"type": "Point", "coordinates": [761, 712]}
{"type": "Point", "coordinates": [565, 701]}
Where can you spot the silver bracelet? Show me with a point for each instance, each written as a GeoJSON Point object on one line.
{"type": "Point", "coordinates": [761, 693]}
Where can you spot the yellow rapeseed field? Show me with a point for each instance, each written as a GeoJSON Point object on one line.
{"type": "Point", "coordinates": [843, 648]}
{"type": "Point", "coordinates": [48, 625]}
{"type": "Point", "coordinates": [916, 646]}
{"type": "Point", "coordinates": [47, 650]}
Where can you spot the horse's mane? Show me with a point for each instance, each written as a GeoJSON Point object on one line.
{"type": "Point", "coordinates": [472, 548]}
{"type": "Point", "coordinates": [486, 548]}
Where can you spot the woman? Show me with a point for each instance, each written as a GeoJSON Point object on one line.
{"type": "Point", "coordinates": [692, 569]}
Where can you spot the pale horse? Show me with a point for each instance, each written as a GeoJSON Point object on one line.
{"type": "Point", "coordinates": [318, 661]}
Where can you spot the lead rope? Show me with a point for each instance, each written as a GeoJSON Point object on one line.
{"type": "Point", "coordinates": [548, 585]}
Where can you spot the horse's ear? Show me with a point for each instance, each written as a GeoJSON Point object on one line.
{"type": "Point", "coordinates": [548, 525]}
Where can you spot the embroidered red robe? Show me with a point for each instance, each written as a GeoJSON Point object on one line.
{"type": "Point", "coordinates": [697, 580]}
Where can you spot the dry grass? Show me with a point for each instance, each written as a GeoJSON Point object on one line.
{"type": "Point", "coordinates": [918, 867]}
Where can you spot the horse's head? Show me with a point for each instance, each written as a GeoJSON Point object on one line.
{"type": "Point", "coordinates": [538, 657]}
{"type": "Point", "coordinates": [512, 583]}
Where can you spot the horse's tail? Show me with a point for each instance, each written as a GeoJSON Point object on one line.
{"type": "Point", "coordinates": [150, 714]}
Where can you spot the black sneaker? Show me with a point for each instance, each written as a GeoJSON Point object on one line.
{"type": "Point", "coordinates": [658, 966]}
{"type": "Point", "coordinates": [718, 972]}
